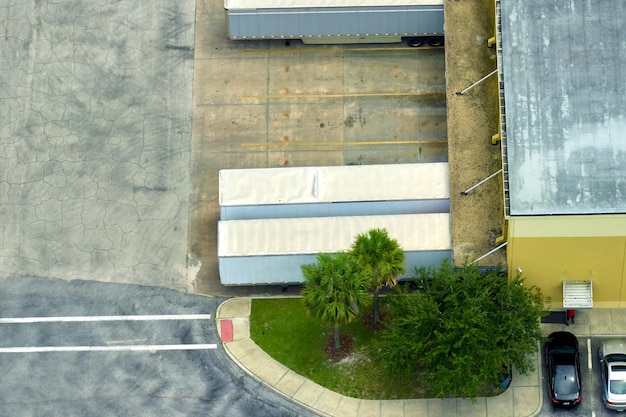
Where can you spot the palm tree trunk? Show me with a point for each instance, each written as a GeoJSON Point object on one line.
{"type": "Point", "coordinates": [376, 311]}
{"type": "Point", "coordinates": [337, 338]}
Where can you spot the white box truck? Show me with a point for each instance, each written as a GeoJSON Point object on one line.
{"type": "Point", "coordinates": [418, 22]}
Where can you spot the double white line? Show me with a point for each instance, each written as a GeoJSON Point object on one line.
{"type": "Point", "coordinates": [118, 348]}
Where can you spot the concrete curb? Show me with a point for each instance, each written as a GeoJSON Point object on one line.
{"type": "Point", "coordinates": [235, 359]}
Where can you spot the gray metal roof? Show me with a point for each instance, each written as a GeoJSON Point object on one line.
{"type": "Point", "coordinates": [564, 70]}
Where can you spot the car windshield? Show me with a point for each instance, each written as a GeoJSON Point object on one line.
{"type": "Point", "coordinates": [560, 350]}
{"type": "Point", "coordinates": [565, 380]}
{"type": "Point", "coordinates": [616, 357]}
{"type": "Point", "coordinates": [617, 386]}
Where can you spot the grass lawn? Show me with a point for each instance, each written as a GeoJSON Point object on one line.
{"type": "Point", "coordinates": [282, 328]}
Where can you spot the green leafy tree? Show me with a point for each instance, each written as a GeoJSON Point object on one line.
{"type": "Point", "coordinates": [381, 259]}
{"type": "Point", "coordinates": [461, 327]}
{"type": "Point", "coordinates": [334, 291]}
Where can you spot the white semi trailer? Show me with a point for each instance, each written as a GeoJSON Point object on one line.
{"type": "Point", "coordinates": [272, 251]}
{"type": "Point", "coordinates": [274, 220]}
{"type": "Point", "coordinates": [418, 22]}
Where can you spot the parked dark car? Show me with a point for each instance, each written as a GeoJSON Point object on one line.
{"type": "Point", "coordinates": [613, 365]}
{"type": "Point", "coordinates": [563, 362]}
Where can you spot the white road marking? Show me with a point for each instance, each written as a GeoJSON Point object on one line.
{"type": "Point", "coordinates": [589, 356]}
{"type": "Point", "coordinates": [70, 319]}
{"type": "Point", "coordinates": [131, 348]}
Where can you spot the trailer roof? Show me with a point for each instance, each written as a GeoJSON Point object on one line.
{"type": "Point", "coordinates": [564, 71]}
{"type": "Point", "coordinates": [311, 235]}
{"type": "Point", "coordinates": [279, 4]}
{"type": "Point", "coordinates": [242, 187]}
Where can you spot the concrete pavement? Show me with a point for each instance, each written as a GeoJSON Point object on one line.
{"type": "Point", "coordinates": [95, 140]}
{"type": "Point", "coordinates": [522, 399]}
{"type": "Point", "coordinates": [268, 104]}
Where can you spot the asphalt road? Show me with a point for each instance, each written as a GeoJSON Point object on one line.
{"type": "Point", "coordinates": [115, 380]}
{"type": "Point", "coordinates": [591, 405]}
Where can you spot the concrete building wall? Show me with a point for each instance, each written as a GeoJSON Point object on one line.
{"type": "Point", "coordinates": [551, 249]}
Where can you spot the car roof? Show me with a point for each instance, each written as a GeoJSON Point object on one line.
{"type": "Point", "coordinates": [564, 356]}
{"type": "Point", "coordinates": [559, 340]}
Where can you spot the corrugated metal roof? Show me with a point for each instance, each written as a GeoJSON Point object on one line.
{"type": "Point", "coordinates": [564, 72]}
{"type": "Point", "coordinates": [278, 4]}
{"type": "Point", "coordinates": [414, 232]}
{"type": "Point", "coordinates": [243, 187]}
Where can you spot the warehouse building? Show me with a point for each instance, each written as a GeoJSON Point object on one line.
{"type": "Point", "coordinates": [562, 81]}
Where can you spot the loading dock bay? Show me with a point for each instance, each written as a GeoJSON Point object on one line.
{"type": "Point", "coordinates": [261, 104]}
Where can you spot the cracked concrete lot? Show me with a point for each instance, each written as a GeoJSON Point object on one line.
{"type": "Point", "coordinates": [95, 131]}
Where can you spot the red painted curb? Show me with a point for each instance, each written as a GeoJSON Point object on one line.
{"type": "Point", "coordinates": [227, 330]}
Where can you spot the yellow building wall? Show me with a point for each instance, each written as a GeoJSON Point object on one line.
{"type": "Point", "coordinates": [551, 249]}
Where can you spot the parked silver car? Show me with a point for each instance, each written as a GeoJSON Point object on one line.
{"type": "Point", "coordinates": [613, 365]}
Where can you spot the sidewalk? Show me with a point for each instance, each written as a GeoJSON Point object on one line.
{"type": "Point", "coordinates": [523, 398]}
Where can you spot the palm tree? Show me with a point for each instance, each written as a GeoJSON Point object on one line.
{"type": "Point", "coordinates": [334, 290]}
{"type": "Point", "coordinates": [380, 258]}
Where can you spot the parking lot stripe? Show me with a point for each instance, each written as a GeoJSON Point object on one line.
{"type": "Point", "coordinates": [68, 319]}
{"type": "Point", "coordinates": [589, 356]}
{"type": "Point", "coordinates": [119, 348]}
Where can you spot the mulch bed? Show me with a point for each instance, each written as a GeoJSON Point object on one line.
{"type": "Point", "coordinates": [347, 342]}
{"type": "Point", "coordinates": [368, 320]}
{"type": "Point", "coordinates": [347, 347]}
